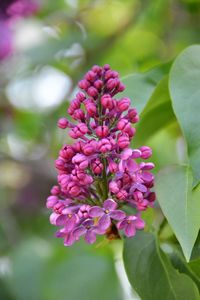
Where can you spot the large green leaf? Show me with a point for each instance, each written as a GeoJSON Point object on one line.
{"type": "Point", "coordinates": [180, 204]}
{"type": "Point", "coordinates": [140, 86]}
{"type": "Point", "coordinates": [184, 87]}
{"type": "Point", "coordinates": [151, 273]}
{"type": "Point", "coordinates": [157, 113]}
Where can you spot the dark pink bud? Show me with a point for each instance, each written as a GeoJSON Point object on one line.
{"type": "Point", "coordinates": [84, 84]}
{"type": "Point", "coordinates": [112, 166]}
{"type": "Point", "coordinates": [138, 196]}
{"type": "Point", "coordinates": [80, 96]}
{"type": "Point", "coordinates": [107, 101]}
{"type": "Point", "coordinates": [106, 67]}
{"type": "Point", "coordinates": [123, 104]}
{"type": "Point", "coordinates": [97, 166]}
{"type": "Point", "coordinates": [123, 125]}
{"type": "Point", "coordinates": [91, 108]}
{"type": "Point", "coordinates": [102, 131]}
{"type": "Point", "coordinates": [98, 84]}
{"type": "Point", "coordinates": [55, 190]}
{"type": "Point", "coordinates": [111, 74]}
{"type": "Point", "coordinates": [79, 115]}
{"type": "Point", "coordinates": [90, 76]}
{"type": "Point", "coordinates": [122, 195]}
{"type": "Point", "coordinates": [146, 152]}
{"type": "Point", "coordinates": [60, 164]}
{"type": "Point", "coordinates": [112, 84]}
{"type": "Point", "coordinates": [73, 189]}
{"type": "Point", "coordinates": [96, 69]}
{"type": "Point", "coordinates": [123, 141]}
{"type": "Point", "coordinates": [78, 146]}
{"type": "Point", "coordinates": [81, 161]}
{"type": "Point", "coordinates": [78, 131]}
{"type": "Point", "coordinates": [90, 148]}
{"type": "Point", "coordinates": [63, 123]}
{"type": "Point", "coordinates": [67, 152]}
{"type": "Point", "coordinates": [121, 87]}
{"type": "Point", "coordinates": [93, 125]}
{"type": "Point", "coordinates": [92, 92]}
{"type": "Point", "coordinates": [51, 201]}
{"type": "Point", "coordinates": [83, 211]}
{"type": "Point", "coordinates": [104, 145]}
{"type": "Point", "coordinates": [133, 115]}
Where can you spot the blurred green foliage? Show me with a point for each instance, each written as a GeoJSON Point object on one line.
{"type": "Point", "coordinates": [68, 37]}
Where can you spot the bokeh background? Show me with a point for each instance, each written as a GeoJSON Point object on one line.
{"type": "Point", "coordinates": [45, 48]}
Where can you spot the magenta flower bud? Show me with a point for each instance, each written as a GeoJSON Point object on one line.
{"type": "Point", "coordinates": [55, 190]}
{"type": "Point", "coordinates": [106, 67]}
{"type": "Point", "coordinates": [96, 69]}
{"type": "Point", "coordinates": [60, 164]}
{"type": "Point", "coordinates": [81, 161]}
{"type": "Point", "coordinates": [102, 131]}
{"type": "Point", "coordinates": [78, 146]}
{"type": "Point", "coordinates": [123, 104]}
{"type": "Point", "coordinates": [122, 195]}
{"type": "Point", "coordinates": [121, 87]}
{"type": "Point", "coordinates": [63, 123]}
{"type": "Point", "coordinates": [73, 189]}
{"type": "Point", "coordinates": [123, 125]}
{"type": "Point", "coordinates": [78, 115]}
{"type": "Point", "coordinates": [111, 74]}
{"type": "Point", "coordinates": [51, 201]}
{"type": "Point", "coordinates": [104, 145]}
{"type": "Point", "coordinates": [123, 141]}
{"type": "Point", "coordinates": [78, 131]}
{"type": "Point", "coordinates": [84, 84]}
{"type": "Point", "coordinates": [92, 92]}
{"type": "Point", "coordinates": [90, 76]}
{"type": "Point", "coordinates": [97, 166]}
{"type": "Point", "coordinates": [90, 108]}
{"type": "Point", "coordinates": [80, 96]}
{"type": "Point", "coordinates": [90, 148]}
{"type": "Point", "coordinates": [112, 166]}
{"type": "Point", "coordinates": [107, 101]}
{"type": "Point", "coordinates": [146, 152]}
{"type": "Point", "coordinates": [84, 211]}
{"type": "Point", "coordinates": [112, 84]}
{"type": "Point", "coordinates": [148, 166]}
{"type": "Point", "coordinates": [66, 152]}
{"type": "Point", "coordinates": [133, 115]}
{"type": "Point", "coordinates": [98, 84]}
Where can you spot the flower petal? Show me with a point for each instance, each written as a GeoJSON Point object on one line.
{"type": "Point", "coordinates": [104, 222]}
{"type": "Point", "coordinates": [79, 231]}
{"type": "Point", "coordinates": [95, 212]}
{"type": "Point", "coordinates": [90, 236]}
{"type": "Point", "coordinates": [57, 219]}
{"type": "Point", "coordinates": [118, 215]}
{"type": "Point", "coordinates": [109, 204]}
{"type": "Point", "coordinates": [126, 154]}
{"type": "Point", "coordinates": [69, 239]}
{"type": "Point", "coordinates": [129, 230]}
{"type": "Point", "coordinates": [70, 222]}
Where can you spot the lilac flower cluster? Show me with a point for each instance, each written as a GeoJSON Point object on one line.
{"type": "Point", "coordinates": [99, 179]}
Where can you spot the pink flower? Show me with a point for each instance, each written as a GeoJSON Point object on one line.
{"type": "Point", "coordinates": [130, 224]}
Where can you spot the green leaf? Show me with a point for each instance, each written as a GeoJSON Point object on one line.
{"type": "Point", "coordinates": [151, 273]}
{"type": "Point", "coordinates": [184, 83]}
{"type": "Point", "coordinates": [180, 204]}
{"type": "Point", "coordinates": [157, 113]}
{"type": "Point", "coordinates": [140, 87]}
{"type": "Point", "coordinates": [178, 261]}
{"type": "Point", "coordinates": [195, 266]}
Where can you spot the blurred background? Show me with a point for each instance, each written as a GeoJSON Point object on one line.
{"type": "Point", "coordinates": [45, 48]}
